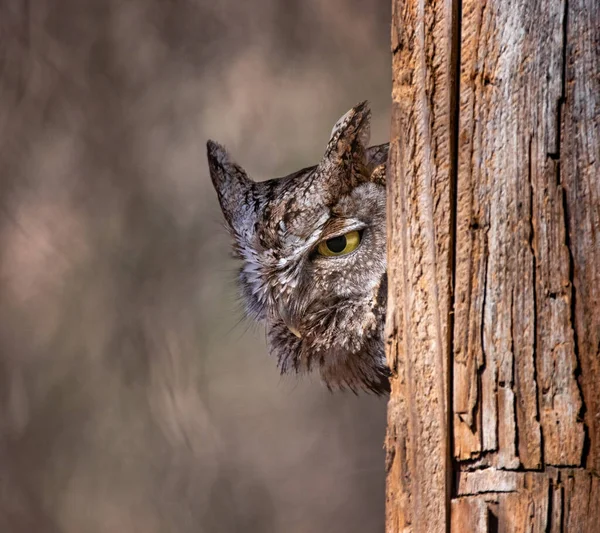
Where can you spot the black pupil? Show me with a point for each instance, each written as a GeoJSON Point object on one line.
{"type": "Point", "coordinates": [337, 244]}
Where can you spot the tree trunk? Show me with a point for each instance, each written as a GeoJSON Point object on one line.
{"type": "Point", "coordinates": [494, 267]}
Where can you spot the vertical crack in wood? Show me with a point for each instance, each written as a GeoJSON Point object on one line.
{"type": "Point", "coordinates": [492, 525]}
{"type": "Point", "coordinates": [563, 91]}
{"type": "Point", "coordinates": [561, 496]}
{"type": "Point", "coordinates": [534, 297]}
{"type": "Point", "coordinates": [549, 507]}
{"type": "Point", "coordinates": [512, 383]}
{"type": "Point", "coordinates": [455, 8]}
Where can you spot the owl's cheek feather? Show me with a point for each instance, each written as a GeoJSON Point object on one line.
{"type": "Point", "coordinates": [349, 353]}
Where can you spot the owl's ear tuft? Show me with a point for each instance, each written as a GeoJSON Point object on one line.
{"type": "Point", "coordinates": [234, 188]}
{"type": "Point", "coordinates": [350, 136]}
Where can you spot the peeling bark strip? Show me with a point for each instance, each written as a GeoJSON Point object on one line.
{"type": "Point", "coordinates": [494, 193]}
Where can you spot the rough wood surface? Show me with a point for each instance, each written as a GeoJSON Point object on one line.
{"type": "Point", "coordinates": [554, 501]}
{"type": "Point", "coordinates": [507, 227]}
{"type": "Point", "coordinates": [418, 324]}
{"type": "Point", "coordinates": [580, 177]}
{"type": "Point", "coordinates": [516, 370]}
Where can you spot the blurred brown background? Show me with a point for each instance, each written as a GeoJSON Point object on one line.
{"type": "Point", "coordinates": [132, 398]}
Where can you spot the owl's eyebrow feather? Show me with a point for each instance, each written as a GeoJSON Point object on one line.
{"type": "Point", "coordinates": [336, 226]}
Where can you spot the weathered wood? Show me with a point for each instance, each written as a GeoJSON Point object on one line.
{"type": "Point", "coordinates": [517, 292]}
{"type": "Point", "coordinates": [554, 501]}
{"type": "Point", "coordinates": [514, 284]}
{"type": "Point", "coordinates": [507, 229]}
{"type": "Point", "coordinates": [470, 514]}
{"type": "Point", "coordinates": [418, 324]}
{"type": "Point", "coordinates": [580, 178]}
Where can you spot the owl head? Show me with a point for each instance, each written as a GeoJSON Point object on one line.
{"type": "Point", "coordinates": [313, 252]}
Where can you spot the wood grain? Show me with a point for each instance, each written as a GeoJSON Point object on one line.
{"type": "Point", "coordinates": [418, 327]}
{"type": "Point", "coordinates": [513, 290]}
{"type": "Point", "coordinates": [580, 179]}
{"type": "Point", "coordinates": [558, 500]}
{"type": "Point", "coordinates": [494, 247]}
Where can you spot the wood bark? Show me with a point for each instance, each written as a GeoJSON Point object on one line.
{"type": "Point", "coordinates": [493, 323]}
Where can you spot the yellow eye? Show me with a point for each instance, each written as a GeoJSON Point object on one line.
{"type": "Point", "coordinates": [342, 245]}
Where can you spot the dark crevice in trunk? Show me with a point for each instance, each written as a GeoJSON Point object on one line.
{"type": "Point", "coordinates": [454, 102]}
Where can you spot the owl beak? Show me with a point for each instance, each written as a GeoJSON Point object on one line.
{"type": "Point", "coordinates": [287, 320]}
{"type": "Point", "coordinates": [294, 331]}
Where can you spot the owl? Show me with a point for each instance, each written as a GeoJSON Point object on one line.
{"type": "Point", "coordinates": [312, 247]}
